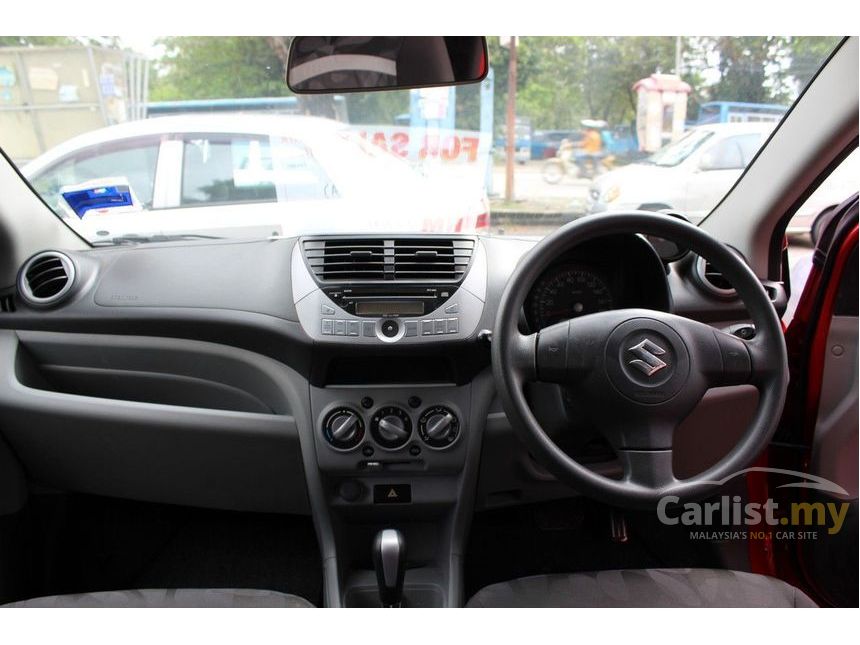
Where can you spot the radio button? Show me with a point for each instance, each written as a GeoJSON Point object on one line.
{"type": "Point", "coordinates": [441, 327]}
{"type": "Point", "coordinates": [340, 328]}
{"type": "Point", "coordinates": [367, 329]}
{"type": "Point", "coordinates": [352, 328]}
{"type": "Point", "coordinates": [326, 310]}
{"type": "Point", "coordinates": [453, 309]}
{"type": "Point", "coordinates": [453, 325]}
{"type": "Point", "coordinates": [327, 327]}
{"type": "Point", "coordinates": [426, 327]}
{"type": "Point", "coordinates": [411, 328]}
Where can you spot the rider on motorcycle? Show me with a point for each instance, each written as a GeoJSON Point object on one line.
{"type": "Point", "coordinates": [592, 145]}
{"type": "Point", "coordinates": [588, 157]}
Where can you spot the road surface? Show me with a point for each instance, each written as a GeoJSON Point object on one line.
{"type": "Point", "coordinates": [529, 186]}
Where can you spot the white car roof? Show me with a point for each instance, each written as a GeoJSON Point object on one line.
{"type": "Point", "coordinates": [304, 128]}
{"type": "Point", "coordinates": [729, 129]}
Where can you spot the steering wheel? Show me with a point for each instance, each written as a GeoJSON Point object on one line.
{"type": "Point", "coordinates": [644, 371]}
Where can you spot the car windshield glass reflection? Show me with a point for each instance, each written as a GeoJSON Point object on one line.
{"type": "Point", "coordinates": [675, 153]}
{"type": "Point", "coordinates": [202, 135]}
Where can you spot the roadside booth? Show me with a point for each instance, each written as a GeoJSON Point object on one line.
{"type": "Point", "coordinates": [661, 110]}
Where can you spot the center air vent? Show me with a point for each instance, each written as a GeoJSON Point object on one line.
{"type": "Point", "coordinates": [404, 259]}
{"type": "Point", "coordinates": [46, 278]}
{"type": "Point", "coordinates": [713, 280]}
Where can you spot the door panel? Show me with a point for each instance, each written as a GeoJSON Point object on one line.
{"type": "Point", "coordinates": [835, 445]}
{"type": "Point", "coordinates": [823, 346]}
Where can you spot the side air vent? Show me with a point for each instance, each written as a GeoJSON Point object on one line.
{"type": "Point", "coordinates": [46, 278]}
{"type": "Point", "coordinates": [712, 280]}
{"type": "Point", "coordinates": [403, 259]}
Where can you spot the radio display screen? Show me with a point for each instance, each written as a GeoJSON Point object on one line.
{"type": "Point", "coordinates": [389, 308]}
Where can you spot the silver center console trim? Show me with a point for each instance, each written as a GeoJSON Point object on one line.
{"type": "Point", "coordinates": [325, 321]}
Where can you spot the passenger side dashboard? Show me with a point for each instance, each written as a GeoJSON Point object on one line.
{"type": "Point", "coordinates": [152, 348]}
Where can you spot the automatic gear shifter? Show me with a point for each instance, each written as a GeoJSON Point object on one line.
{"type": "Point", "coordinates": [389, 559]}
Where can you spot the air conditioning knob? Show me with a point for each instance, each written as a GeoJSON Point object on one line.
{"type": "Point", "coordinates": [343, 428]}
{"type": "Point", "coordinates": [391, 427]}
{"type": "Point", "coordinates": [438, 426]}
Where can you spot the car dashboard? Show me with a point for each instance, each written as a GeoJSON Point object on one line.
{"type": "Point", "coordinates": [347, 377]}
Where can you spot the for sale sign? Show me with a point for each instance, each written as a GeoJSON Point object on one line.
{"type": "Point", "coordinates": [419, 144]}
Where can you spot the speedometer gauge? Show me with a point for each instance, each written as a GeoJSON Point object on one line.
{"type": "Point", "coordinates": [568, 292]}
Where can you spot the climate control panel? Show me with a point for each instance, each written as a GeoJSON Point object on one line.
{"type": "Point", "coordinates": [381, 429]}
{"type": "Point", "coordinates": [391, 427]}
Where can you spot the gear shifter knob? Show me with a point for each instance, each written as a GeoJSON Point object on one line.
{"type": "Point", "coordinates": [389, 559]}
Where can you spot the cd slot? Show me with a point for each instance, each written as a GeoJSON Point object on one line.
{"type": "Point", "coordinates": [389, 307]}
{"type": "Point", "coordinates": [385, 301]}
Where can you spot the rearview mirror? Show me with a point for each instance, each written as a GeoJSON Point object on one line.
{"type": "Point", "coordinates": [319, 64]}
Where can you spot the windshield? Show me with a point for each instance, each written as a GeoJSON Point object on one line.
{"type": "Point", "coordinates": [143, 139]}
{"type": "Point", "coordinates": [675, 153]}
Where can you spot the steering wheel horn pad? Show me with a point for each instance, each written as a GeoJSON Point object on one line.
{"type": "Point", "coordinates": [647, 361]}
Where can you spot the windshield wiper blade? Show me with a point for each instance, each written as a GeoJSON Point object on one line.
{"type": "Point", "coordinates": [148, 239]}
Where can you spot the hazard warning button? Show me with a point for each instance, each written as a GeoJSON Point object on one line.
{"type": "Point", "coordinates": [392, 494]}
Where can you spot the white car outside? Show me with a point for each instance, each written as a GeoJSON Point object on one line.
{"type": "Point", "coordinates": [240, 175]}
{"type": "Point", "coordinates": [690, 175]}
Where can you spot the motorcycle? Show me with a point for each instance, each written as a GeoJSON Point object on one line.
{"type": "Point", "coordinates": [576, 165]}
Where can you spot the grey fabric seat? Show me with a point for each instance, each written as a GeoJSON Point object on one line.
{"type": "Point", "coordinates": [644, 588]}
{"type": "Point", "coordinates": [170, 598]}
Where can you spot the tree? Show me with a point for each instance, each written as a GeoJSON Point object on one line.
{"type": "Point", "coordinates": [551, 94]}
{"type": "Point", "coordinates": [36, 41]}
{"type": "Point", "coordinates": [614, 64]}
{"type": "Point", "coordinates": [567, 79]}
{"type": "Point", "coordinates": [203, 67]}
{"type": "Point", "coordinates": [807, 55]}
{"type": "Point", "coordinates": [758, 69]}
{"type": "Point", "coordinates": [749, 69]}
{"type": "Point", "coordinates": [60, 41]}
{"type": "Point", "coordinates": [561, 80]}
{"type": "Point", "coordinates": [528, 60]}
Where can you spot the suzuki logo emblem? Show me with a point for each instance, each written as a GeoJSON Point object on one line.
{"type": "Point", "coordinates": [648, 357]}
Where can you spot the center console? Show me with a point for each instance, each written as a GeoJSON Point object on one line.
{"type": "Point", "coordinates": [392, 428]}
{"type": "Point", "coordinates": [374, 291]}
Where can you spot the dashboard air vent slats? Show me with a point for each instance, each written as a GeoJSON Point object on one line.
{"type": "Point", "coordinates": [346, 259]}
{"type": "Point", "coordinates": [713, 280]}
{"type": "Point", "coordinates": [46, 278]}
{"type": "Point", "coordinates": [405, 259]}
{"type": "Point", "coordinates": [429, 259]}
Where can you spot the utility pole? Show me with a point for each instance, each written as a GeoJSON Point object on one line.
{"type": "Point", "coordinates": [511, 120]}
{"type": "Point", "coordinates": [678, 48]}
